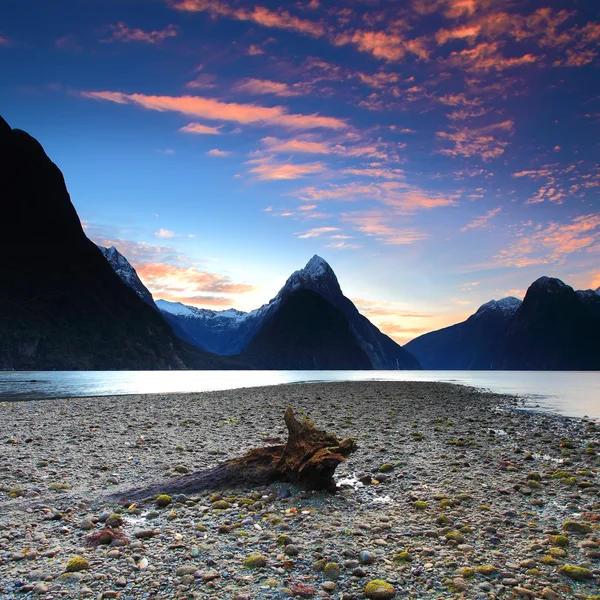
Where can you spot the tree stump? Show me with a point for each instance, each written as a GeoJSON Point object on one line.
{"type": "Point", "coordinates": [308, 459]}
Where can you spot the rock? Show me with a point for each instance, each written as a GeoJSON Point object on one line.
{"type": "Point", "coordinates": [114, 520]}
{"type": "Point", "coordinates": [40, 588]}
{"type": "Point", "coordinates": [144, 534]}
{"type": "Point", "coordinates": [549, 594]}
{"type": "Point", "coordinates": [186, 570]}
{"type": "Point", "coordinates": [378, 589]}
{"type": "Point", "coordinates": [365, 557]}
{"type": "Point", "coordinates": [209, 575]}
{"type": "Point", "coordinates": [328, 586]}
{"type": "Point", "coordinates": [331, 571]}
{"type": "Point", "coordinates": [291, 550]}
{"type": "Point", "coordinates": [255, 561]}
{"type": "Point", "coordinates": [76, 564]}
{"type": "Point", "coordinates": [359, 572]}
{"type": "Point", "coordinates": [86, 525]}
{"type": "Point", "coordinates": [575, 572]}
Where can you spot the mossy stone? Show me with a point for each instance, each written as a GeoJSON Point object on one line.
{"type": "Point", "coordinates": [76, 564]}
{"type": "Point", "coordinates": [386, 468]}
{"type": "Point", "coordinates": [114, 520]}
{"type": "Point", "coordinates": [402, 557]}
{"type": "Point", "coordinates": [455, 536]}
{"type": "Point", "coordinates": [560, 540]}
{"type": "Point", "coordinates": [221, 505]}
{"type": "Point", "coordinates": [576, 573]}
{"type": "Point", "coordinates": [255, 561]}
{"type": "Point", "coordinates": [576, 527]}
{"type": "Point", "coordinates": [162, 500]}
{"type": "Point", "coordinates": [378, 589]}
{"type": "Point", "coordinates": [487, 570]}
{"type": "Point", "coordinates": [331, 571]}
{"type": "Point", "coordinates": [420, 505]}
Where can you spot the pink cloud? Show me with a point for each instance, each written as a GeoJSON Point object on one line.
{"type": "Point", "coordinates": [260, 15]}
{"type": "Point", "coordinates": [121, 32]}
{"type": "Point", "coordinates": [482, 141]}
{"type": "Point", "coordinates": [266, 86]}
{"type": "Point", "coordinates": [316, 232]}
{"type": "Point", "coordinates": [296, 145]}
{"type": "Point", "coordinates": [209, 108]}
{"type": "Point", "coordinates": [482, 221]}
{"type": "Point", "coordinates": [165, 234]}
{"type": "Point", "coordinates": [218, 153]}
{"type": "Point", "coordinates": [266, 169]}
{"type": "Point", "coordinates": [376, 224]}
{"type": "Point", "coordinates": [200, 129]}
{"type": "Point", "coordinates": [552, 242]}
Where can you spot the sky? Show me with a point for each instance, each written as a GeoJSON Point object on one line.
{"type": "Point", "coordinates": [437, 153]}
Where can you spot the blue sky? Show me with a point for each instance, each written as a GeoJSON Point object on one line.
{"type": "Point", "coordinates": [438, 153]}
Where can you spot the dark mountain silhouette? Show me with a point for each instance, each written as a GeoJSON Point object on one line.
{"type": "Point", "coordinates": [229, 332]}
{"type": "Point", "coordinates": [472, 344]}
{"type": "Point", "coordinates": [305, 332]}
{"type": "Point", "coordinates": [61, 305]}
{"type": "Point", "coordinates": [555, 328]}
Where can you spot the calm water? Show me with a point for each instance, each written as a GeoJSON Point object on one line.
{"type": "Point", "coordinates": [572, 394]}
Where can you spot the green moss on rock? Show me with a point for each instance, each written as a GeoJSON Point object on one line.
{"type": "Point", "coordinates": [378, 589]}
{"type": "Point", "coordinates": [76, 564]}
{"type": "Point", "coordinates": [162, 500]}
{"type": "Point", "coordinates": [576, 573]}
{"type": "Point", "coordinates": [576, 527]}
{"type": "Point", "coordinates": [255, 561]}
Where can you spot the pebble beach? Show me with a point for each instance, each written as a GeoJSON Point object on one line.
{"type": "Point", "coordinates": [452, 493]}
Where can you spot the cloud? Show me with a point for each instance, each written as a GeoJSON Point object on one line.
{"type": "Point", "coordinates": [482, 221]}
{"type": "Point", "coordinates": [403, 198]}
{"type": "Point", "coordinates": [218, 153]}
{"type": "Point", "coordinates": [316, 232]}
{"type": "Point", "coordinates": [486, 56]}
{"type": "Point", "coordinates": [552, 242]}
{"type": "Point", "coordinates": [296, 145]}
{"type": "Point", "coordinates": [377, 224]}
{"type": "Point", "coordinates": [165, 234]}
{"type": "Point", "coordinates": [210, 108]}
{"type": "Point", "coordinates": [5, 41]}
{"type": "Point", "coordinates": [266, 86]}
{"type": "Point", "coordinates": [255, 50]}
{"type": "Point", "coordinates": [260, 15]}
{"type": "Point", "coordinates": [204, 81]}
{"type": "Point", "coordinates": [468, 32]}
{"type": "Point", "coordinates": [343, 246]}
{"type": "Point", "coordinates": [188, 284]}
{"type": "Point", "coordinates": [200, 129]}
{"type": "Point", "coordinates": [121, 32]}
{"type": "Point", "coordinates": [482, 141]}
{"type": "Point", "coordinates": [266, 169]}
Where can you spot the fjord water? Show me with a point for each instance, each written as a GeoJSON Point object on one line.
{"type": "Point", "coordinates": [573, 394]}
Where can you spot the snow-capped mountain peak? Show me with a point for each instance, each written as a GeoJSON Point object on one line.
{"type": "Point", "coordinates": [317, 275]}
{"type": "Point", "coordinates": [508, 306]}
{"type": "Point", "coordinates": [548, 284]}
{"type": "Point", "coordinates": [122, 267]}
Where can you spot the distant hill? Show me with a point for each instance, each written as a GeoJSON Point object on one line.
{"type": "Point", "coordinates": [61, 304]}
{"type": "Point", "coordinates": [554, 328]}
{"type": "Point", "coordinates": [472, 344]}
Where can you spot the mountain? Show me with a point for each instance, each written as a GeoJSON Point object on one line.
{"type": "Point", "coordinates": [229, 332]}
{"type": "Point", "coordinates": [61, 304]}
{"type": "Point", "coordinates": [472, 344]}
{"type": "Point", "coordinates": [555, 328]}
{"type": "Point", "coordinates": [224, 332]}
{"type": "Point", "coordinates": [305, 332]}
{"type": "Point", "coordinates": [127, 273]}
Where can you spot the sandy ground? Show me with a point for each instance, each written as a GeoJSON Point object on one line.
{"type": "Point", "coordinates": [473, 500]}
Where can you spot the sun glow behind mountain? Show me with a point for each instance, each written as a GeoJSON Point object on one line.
{"type": "Point", "coordinates": [438, 153]}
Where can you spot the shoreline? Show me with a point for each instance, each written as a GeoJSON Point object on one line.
{"type": "Point", "coordinates": [448, 473]}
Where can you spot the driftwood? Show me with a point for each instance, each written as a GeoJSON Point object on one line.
{"type": "Point", "coordinates": [308, 459]}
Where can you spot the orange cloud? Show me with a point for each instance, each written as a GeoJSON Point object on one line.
{"type": "Point", "coordinates": [482, 141]}
{"type": "Point", "coordinates": [296, 145]}
{"type": "Point", "coordinates": [381, 44]}
{"type": "Point", "coordinates": [552, 243]}
{"type": "Point", "coordinates": [200, 129]}
{"type": "Point", "coordinates": [260, 15]}
{"type": "Point", "coordinates": [188, 284]}
{"type": "Point", "coordinates": [486, 56]}
{"type": "Point", "coordinates": [482, 221]}
{"type": "Point", "coordinates": [122, 33]}
{"type": "Point", "coordinates": [209, 108]}
{"type": "Point", "coordinates": [469, 32]}
{"type": "Point", "coordinates": [266, 169]}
